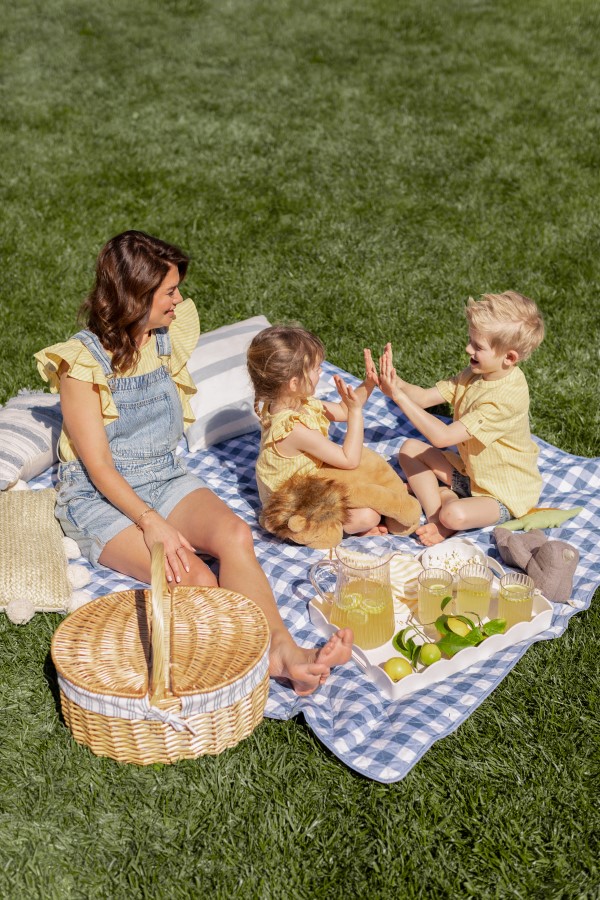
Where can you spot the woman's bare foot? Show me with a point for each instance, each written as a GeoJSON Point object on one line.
{"type": "Point", "coordinates": [432, 533]}
{"type": "Point", "coordinates": [307, 669]}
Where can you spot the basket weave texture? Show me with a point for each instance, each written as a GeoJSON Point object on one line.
{"type": "Point", "coordinates": [158, 676]}
{"type": "Point", "coordinates": [33, 565]}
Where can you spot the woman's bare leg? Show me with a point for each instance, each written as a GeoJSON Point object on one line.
{"type": "Point", "coordinates": [128, 554]}
{"type": "Point", "coordinates": [212, 527]}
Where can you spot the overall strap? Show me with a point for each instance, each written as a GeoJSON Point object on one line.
{"type": "Point", "coordinates": [92, 342]}
{"type": "Point", "coordinates": [163, 341]}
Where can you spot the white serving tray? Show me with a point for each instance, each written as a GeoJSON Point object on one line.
{"type": "Point", "coordinates": [370, 661]}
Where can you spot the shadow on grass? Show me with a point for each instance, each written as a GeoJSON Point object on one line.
{"type": "Point", "coordinates": [51, 676]}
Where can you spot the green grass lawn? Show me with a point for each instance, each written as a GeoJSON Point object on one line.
{"type": "Point", "coordinates": [362, 167]}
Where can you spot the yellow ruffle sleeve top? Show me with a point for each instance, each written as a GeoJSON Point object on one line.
{"type": "Point", "coordinates": [272, 469]}
{"type": "Point", "coordinates": [184, 332]}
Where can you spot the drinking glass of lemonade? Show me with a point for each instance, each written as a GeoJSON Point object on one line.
{"type": "Point", "coordinates": [474, 590]}
{"type": "Point", "coordinates": [515, 598]}
{"type": "Point", "coordinates": [433, 586]}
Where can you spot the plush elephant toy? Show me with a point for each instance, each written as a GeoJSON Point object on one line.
{"type": "Point", "coordinates": [551, 564]}
{"type": "Point", "coordinates": [310, 509]}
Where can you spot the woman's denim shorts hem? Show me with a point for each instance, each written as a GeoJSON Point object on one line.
{"type": "Point", "coordinates": [87, 517]}
{"type": "Point", "coordinates": [461, 485]}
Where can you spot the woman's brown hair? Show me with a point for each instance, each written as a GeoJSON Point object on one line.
{"type": "Point", "coordinates": [129, 269]}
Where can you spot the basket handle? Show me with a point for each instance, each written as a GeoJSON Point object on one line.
{"type": "Point", "coordinates": [160, 625]}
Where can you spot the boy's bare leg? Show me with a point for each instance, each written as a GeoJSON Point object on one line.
{"type": "Point", "coordinates": [434, 531]}
{"type": "Point", "coordinates": [468, 512]}
{"type": "Point", "coordinates": [425, 466]}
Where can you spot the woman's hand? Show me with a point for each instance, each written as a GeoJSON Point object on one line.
{"type": "Point", "coordinates": [156, 529]}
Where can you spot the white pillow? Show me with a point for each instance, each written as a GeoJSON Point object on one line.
{"type": "Point", "coordinates": [30, 426]}
{"type": "Point", "coordinates": [224, 404]}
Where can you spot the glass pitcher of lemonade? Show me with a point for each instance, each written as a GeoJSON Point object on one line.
{"type": "Point", "coordinates": [362, 596]}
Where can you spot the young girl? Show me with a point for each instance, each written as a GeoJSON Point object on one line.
{"type": "Point", "coordinates": [124, 390]}
{"type": "Point", "coordinates": [284, 363]}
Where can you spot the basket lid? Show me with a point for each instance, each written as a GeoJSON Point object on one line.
{"type": "Point", "coordinates": [216, 637]}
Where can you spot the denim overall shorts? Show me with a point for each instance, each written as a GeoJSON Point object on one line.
{"type": "Point", "coordinates": [143, 441]}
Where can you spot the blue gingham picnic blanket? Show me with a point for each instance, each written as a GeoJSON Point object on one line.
{"type": "Point", "coordinates": [379, 738]}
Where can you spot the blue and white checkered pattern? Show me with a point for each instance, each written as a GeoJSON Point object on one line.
{"type": "Point", "coordinates": [379, 738]}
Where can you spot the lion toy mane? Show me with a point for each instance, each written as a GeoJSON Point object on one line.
{"type": "Point", "coordinates": [310, 509]}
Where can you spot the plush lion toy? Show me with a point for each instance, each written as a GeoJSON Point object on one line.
{"type": "Point", "coordinates": [310, 509]}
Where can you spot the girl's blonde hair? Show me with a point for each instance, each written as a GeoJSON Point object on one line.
{"type": "Point", "coordinates": [509, 321]}
{"type": "Point", "coordinates": [276, 355]}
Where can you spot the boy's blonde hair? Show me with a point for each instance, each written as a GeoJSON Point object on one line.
{"type": "Point", "coordinates": [279, 353]}
{"type": "Point", "coordinates": [509, 321]}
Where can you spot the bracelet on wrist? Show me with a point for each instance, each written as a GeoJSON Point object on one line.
{"type": "Point", "coordinates": [148, 509]}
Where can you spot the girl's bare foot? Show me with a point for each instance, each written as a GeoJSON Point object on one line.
{"type": "Point", "coordinates": [307, 669]}
{"type": "Point", "coordinates": [377, 529]}
{"type": "Point", "coordinates": [432, 533]}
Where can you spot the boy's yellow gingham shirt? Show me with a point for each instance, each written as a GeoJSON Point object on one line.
{"type": "Point", "coordinates": [500, 458]}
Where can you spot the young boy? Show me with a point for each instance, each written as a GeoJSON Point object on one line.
{"type": "Point", "coordinates": [494, 477]}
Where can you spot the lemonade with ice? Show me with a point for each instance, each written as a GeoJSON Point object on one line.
{"type": "Point", "coordinates": [367, 607]}
{"type": "Point", "coordinates": [515, 600]}
{"type": "Point", "coordinates": [474, 590]}
{"type": "Point", "coordinates": [434, 586]}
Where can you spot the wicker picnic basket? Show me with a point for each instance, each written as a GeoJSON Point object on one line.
{"type": "Point", "coordinates": [162, 675]}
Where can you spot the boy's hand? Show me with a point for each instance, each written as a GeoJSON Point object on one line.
{"type": "Point", "coordinates": [388, 379]}
{"type": "Point", "coordinates": [371, 376]}
{"type": "Point", "coordinates": [348, 395]}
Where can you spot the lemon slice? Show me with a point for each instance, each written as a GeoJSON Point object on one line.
{"type": "Point", "coordinates": [372, 605]}
{"type": "Point", "coordinates": [349, 601]}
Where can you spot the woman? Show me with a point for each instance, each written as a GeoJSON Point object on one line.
{"type": "Point", "coordinates": [125, 392]}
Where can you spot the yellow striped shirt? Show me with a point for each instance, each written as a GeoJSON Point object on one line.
{"type": "Point", "coordinates": [272, 469]}
{"type": "Point", "coordinates": [500, 458]}
{"type": "Point", "coordinates": [184, 332]}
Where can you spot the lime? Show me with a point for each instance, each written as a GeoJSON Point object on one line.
{"type": "Point", "coordinates": [458, 627]}
{"type": "Point", "coordinates": [397, 668]}
{"type": "Point", "coordinates": [429, 654]}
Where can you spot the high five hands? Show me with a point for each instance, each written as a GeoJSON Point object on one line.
{"type": "Point", "coordinates": [387, 379]}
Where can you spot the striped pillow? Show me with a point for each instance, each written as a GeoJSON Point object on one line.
{"type": "Point", "coordinates": [224, 404]}
{"type": "Point", "coordinates": [30, 426]}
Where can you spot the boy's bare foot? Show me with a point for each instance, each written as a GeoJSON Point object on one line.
{"type": "Point", "coordinates": [307, 669]}
{"type": "Point", "coordinates": [432, 533]}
